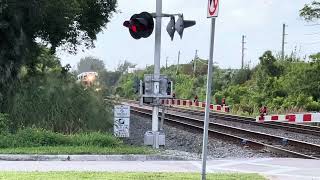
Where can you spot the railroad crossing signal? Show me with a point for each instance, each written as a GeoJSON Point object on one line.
{"type": "Point", "coordinates": [181, 24]}
{"type": "Point", "coordinates": [140, 25]}
{"type": "Point", "coordinates": [171, 29]}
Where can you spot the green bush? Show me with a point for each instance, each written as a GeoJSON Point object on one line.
{"type": "Point", "coordinates": [94, 139]}
{"type": "Point", "coordinates": [38, 137]}
{"type": "Point", "coordinates": [313, 106]}
{"type": "Point", "coordinates": [59, 104]}
{"type": "Point", "coordinates": [4, 123]}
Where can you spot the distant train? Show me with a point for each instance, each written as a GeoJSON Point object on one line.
{"type": "Point", "coordinates": [88, 79]}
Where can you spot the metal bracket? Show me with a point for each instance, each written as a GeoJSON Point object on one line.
{"type": "Point", "coordinates": [154, 15]}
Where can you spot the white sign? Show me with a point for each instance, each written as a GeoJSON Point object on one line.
{"type": "Point", "coordinates": [121, 111]}
{"type": "Point", "coordinates": [213, 8]}
{"type": "Point", "coordinates": [121, 127]}
{"type": "Point", "coordinates": [121, 121]}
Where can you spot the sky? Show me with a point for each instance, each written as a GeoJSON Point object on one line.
{"type": "Point", "coordinates": [259, 20]}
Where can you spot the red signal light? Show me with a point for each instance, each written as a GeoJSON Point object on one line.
{"type": "Point", "coordinates": [140, 25]}
{"type": "Point", "coordinates": [134, 28]}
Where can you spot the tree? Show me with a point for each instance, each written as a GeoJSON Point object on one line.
{"type": "Point", "coordinates": [311, 12]}
{"type": "Point", "coordinates": [90, 63]}
{"type": "Point", "coordinates": [123, 68]}
{"type": "Point", "coordinates": [66, 23]}
{"type": "Point", "coordinates": [267, 62]}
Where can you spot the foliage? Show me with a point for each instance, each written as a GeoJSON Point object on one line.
{"type": "Point", "coordinates": [281, 85]}
{"type": "Point", "coordinates": [90, 64]}
{"type": "Point", "coordinates": [67, 23]}
{"type": "Point", "coordinates": [311, 12]}
{"type": "Point", "coordinates": [57, 103]}
{"type": "Point", "coordinates": [63, 150]}
{"type": "Point", "coordinates": [124, 67]}
{"type": "Point", "coordinates": [39, 137]}
{"type": "Point", "coordinates": [4, 123]}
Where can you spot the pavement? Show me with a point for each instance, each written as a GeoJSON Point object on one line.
{"type": "Point", "coordinates": [272, 168]}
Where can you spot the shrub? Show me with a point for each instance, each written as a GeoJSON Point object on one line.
{"type": "Point", "coordinates": [31, 137]}
{"type": "Point", "coordinates": [59, 104]}
{"type": "Point", "coordinates": [4, 123]}
{"type": "Point", "coordinates": [313, 106]}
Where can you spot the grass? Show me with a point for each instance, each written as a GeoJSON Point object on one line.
{"type": "Point", "coordinates": [125, 176]}
{"type": "Point", "coordinates": [77, 150]}
{"type": "Point", "coordinates": [39, 141]}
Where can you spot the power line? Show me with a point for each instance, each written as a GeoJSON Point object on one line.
{"type": "Point", "coordinates": [312, 24]}
{"type": "Point", "coordinates": [317, 42]}
{"type": "Point", "coordinates": [312, 34]}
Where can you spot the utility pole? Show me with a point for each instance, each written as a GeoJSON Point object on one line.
{"type": "Point", "coordinates": [283, 40]}
{"type": "Point", "coordinates": [195, 63]}
{"type": "Point", "coordinates": [167, 62]}
{"type": "Point", "coordinates": [178, 62]}
{"type": "Point", "coordinates": [243, 48]}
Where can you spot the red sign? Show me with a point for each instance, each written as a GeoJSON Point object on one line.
{"type": "Point", "coordinates": [213, 8]}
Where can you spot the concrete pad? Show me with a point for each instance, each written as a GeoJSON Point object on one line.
{"type": "Point", "coordinates": [273, 168]}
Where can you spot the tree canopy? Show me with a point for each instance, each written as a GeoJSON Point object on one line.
{"type": "Point", "coordinates": [311, 12]}
{"type": "Point", "coordinates": [90, 63]}
{"type": "Point", "coordinates": [27, 25]}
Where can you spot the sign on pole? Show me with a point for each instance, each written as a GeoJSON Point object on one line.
{"type": "Point", "coordinates": [213, 8]}
{"type": "Point", "coordinates": [121, 121]}
{"type": "Point", "coordinates": [121, 111]}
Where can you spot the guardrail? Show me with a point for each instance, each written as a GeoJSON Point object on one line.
{"type": "Point", "coordinates": [190, 103]}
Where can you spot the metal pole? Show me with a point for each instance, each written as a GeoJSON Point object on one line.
{"type": "Point", "coordinates": [141, 93]}
{"type": "Point", "coordinates": [162, 117]}
{"type": "Point", "coordinates": [167, 63]}
{"type": "Point", "coordinates": [195, 63]}
{"type": "Point", "coordinates": [242, 59]}
{"type": "Point", "coordinates": [157, 53]}
{"type": "Point", "coordinates": [283, 40]}
{"type": "Point", "coordinates": [208, 102]}
{"type": "Point", "coordinates": [178, 62]}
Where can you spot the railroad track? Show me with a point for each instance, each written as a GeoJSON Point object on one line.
{"type": "Point", "coordinates": [252, 139]}
{"type": "Point", "coordinates": [298, 128]}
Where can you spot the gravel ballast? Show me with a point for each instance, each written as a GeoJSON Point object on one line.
{"type": "Point", "coordinates": [276, 132]}
{"type": "Point", "coordinates": [188, 143]}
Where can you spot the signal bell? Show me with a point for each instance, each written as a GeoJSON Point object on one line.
{"type": "Point", "coordinates": [140, 25]}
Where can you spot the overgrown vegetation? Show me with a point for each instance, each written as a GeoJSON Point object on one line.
{"type": "Point", "coordinates": [282, 85]}
{"type": "Point", "coordinates": [289, 85]}
{"type": "Point", "coordinates": [35, 90]}
{"type": "Point", "coordinates": [40, 141]}
{"type": "Point", "coordinates": [48, 96]}
{"type": "Point", "coordinates": [39, 137]}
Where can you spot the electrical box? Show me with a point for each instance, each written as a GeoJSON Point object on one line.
{"type": "Point", "coordinates": [150, 137]}
{"type": "Point", "coordinates": [165, 89]}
